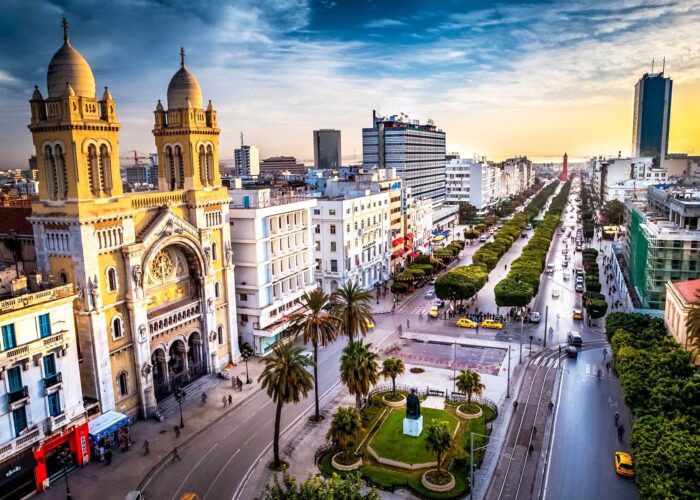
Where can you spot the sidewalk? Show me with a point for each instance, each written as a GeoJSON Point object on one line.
{"type": "Point", "coordinates": [98, 480]}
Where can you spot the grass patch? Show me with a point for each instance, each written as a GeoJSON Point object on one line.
{"type": "Point", "coordinates": [390, 441]}
{"type": "Point", "coordinates": [346, 458]}
{"type": "Point", "coordinates": [438, 477]}
{"type": "Point", "coordinates": [395, 397]}
{"type": "Point", "coordinates": [469, 408]}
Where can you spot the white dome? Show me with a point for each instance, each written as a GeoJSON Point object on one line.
{"type": "Point", "coordinates": [184, 86]}
{"type": "Point", "coordinates": [68, 66]}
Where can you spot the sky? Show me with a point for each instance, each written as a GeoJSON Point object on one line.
{"type": "Point", "coordinates": [536, 78]}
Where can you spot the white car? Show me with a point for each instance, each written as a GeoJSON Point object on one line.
{"type": "Point", "coordinates": [535, 317]}
{"type": "Point", "coordinates": [555, 293]}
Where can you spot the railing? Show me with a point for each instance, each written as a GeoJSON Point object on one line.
{"type": "Point", "coordinates": [458, 396]}
{"type": "Point", "coordinates": [174, 318]}
{"type": "Point", "coordinates": [36, 346]}
{"type": "Point", "coordinates": [158, 199]}
{"type": "Point", "coordinates": [18, 395]}
{"type": "Point", "coordinates": [21, 442]}
{"type": "Point", "coordinates": [55, 423]}
{"type": "Point", "coordinates": [53, 380]}
{"type": "Point", "coordinates": [322, 450]}
{"type": "Point", "coordinates": [29, 299]}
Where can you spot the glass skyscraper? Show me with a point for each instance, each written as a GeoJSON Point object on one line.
{"type": "Point", "coordinates": [652, 115]}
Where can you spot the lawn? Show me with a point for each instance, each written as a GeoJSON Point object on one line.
{"type": "Point", "coordinates": [390, 441]}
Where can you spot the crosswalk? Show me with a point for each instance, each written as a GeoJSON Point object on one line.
{"type": "Point", "coordinates": [544, 362]}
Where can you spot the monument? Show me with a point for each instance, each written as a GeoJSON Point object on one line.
{"type": "Point", "coordinates": [413, 421]}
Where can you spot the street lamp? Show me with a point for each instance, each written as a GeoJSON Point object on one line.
{"type": "Point", "coordinates": [65, 459]}
{"type": "Point", "coordinates": [180, 396]}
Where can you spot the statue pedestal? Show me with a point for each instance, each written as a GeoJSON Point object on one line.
{"type": "Point", "coordinates": [413, 427]}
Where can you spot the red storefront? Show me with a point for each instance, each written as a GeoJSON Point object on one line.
{"type": "Point", "coordinates": [75, 437]}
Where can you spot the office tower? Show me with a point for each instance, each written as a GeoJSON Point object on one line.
{"type": "Point", "coordinates": [415, 150]}
{"type": "Point", "coordinates": [652, 115]}
{"type": "Point", "coordinates": [247, 161]}
{"type": "Point", "coordinates": [282, 166]}
{"type": "Point", "coordinates": [327, 153]}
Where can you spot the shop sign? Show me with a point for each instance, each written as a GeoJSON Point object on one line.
{"type": "Point", "coordinates": [16, 467]}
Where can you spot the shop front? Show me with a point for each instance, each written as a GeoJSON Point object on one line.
{"type": "Point", "coordinates": [108, 432]}
{"type": "Point", "coordinates": [72, 438]}
{"type": "Point", "coordinates": [17, 475]}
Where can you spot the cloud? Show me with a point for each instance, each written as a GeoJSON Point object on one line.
{"type": "Point", "coordinates": [383, 23]}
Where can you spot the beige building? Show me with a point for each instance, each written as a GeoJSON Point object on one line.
{"type": "Point", "coordinates": [679, 296]}
{"type": "Point", "coordinates": [153, 270]}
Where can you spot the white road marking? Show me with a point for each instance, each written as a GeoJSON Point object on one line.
{"type": "Point", "coordinates": [176, 495]}
{"type": "Point", "coordinates": [588, 369]}
{"type": "Point", "coordinates": [220, 472]}
{"type": "Point", "coordinates": [251, 437]}
{"type": "Point", "coordinates": [249, 417]}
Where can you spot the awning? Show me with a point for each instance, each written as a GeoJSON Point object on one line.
{"type": "Point", "coordinates": [409, 236]}
{"type": "Point", "coordinates": [435, 233]}
{"type": "Point", "coordinates": [397, 241]}
{"type": "Point", "coordinates": [439, 237]}
{"type": "Point", "coordinates": [409, 246]}
{"type": "Point", "coordinates": [413, 255]}
{"type": "Point", "coordinates": [106, 424]}
{"type": "Point", "coordinates": [445, 233]}
{"type": "Point", "coordinates": [398, 253]}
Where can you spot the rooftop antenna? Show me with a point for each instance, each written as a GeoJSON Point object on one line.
{"type": "Point", "coordinates": [652, 66]}
{"type": "Point", "coordinates": [663, 67]}
{"type": "Point", "coordinates": [241, 140]}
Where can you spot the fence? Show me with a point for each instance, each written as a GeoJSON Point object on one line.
{"type": "Point", "coordinates": [322, 450]}
{"type": "Point", "coordinates": [458, 396]}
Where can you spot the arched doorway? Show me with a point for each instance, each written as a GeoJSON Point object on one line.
{"type": "Point", "coordinates": [195, 358]}
{"type": "Point", "coordinates": [161, 384]}
{"type": "Point", "coordinates": [177, 364]}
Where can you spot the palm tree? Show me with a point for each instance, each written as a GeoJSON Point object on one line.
{"type": "Point", "coordinates": [345, 425]}
{"type": "Point", "coordinates": [359, 369]}
{"type": "Point", "coordinates": [351, 304]}
{"type": "Point", "coordinates": [286, 380]}
{"type": "Point", "coordinates": [470, 382]}
{"type": "Point", "coordinates": [438, 439]}
{"type": "Point", "coordinates": [692, 324]}
{"type": "Point", "coordinates": [392, 368]}
{"type": "Point", "coordinates": [317, 327]}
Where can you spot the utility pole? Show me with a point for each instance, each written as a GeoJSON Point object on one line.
{"type": "Point", "coordinates": [546, 317]}
{"type": "Point", "coordinates": [522, 320]}
{"type": "Point", "coordinates": [471, 466]}
{"type": "Point", "coordinates": [454, 368]}
{"type": "Point", "coordinates": [508, 376]}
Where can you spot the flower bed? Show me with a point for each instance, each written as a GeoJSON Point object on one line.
{"type": "Point", "coordinates": [346, 461]}
{"type": "Point", "coordinates": [396, 400]}
{"type": "Point", "coordinates": [468, 412]}
{"type": "Point", "coordinates": [439, 481]}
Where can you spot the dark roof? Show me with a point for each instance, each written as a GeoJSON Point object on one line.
{"type": "Point", "coordinates": [15, 219]}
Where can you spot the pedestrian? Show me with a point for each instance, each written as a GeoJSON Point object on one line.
{"type": "Point", "coordinates": [240, 384]}
{"type": "Point", "coordinates": [408, 323]}
{"type": "Point", "coordinates": [230, 400]}
{"type": "Point", "coordinates": [515, 405]}
{"type": "Point", "coordinates": [620, 432]}
{"type": "Point", "coordinates": [534, 430]}
{"type": "Point", "coordinates": [617, 418]}
{"type": "Point", "coordinates": [551, 406]}
{"type": "Point", "coordinates": [108, 456]}
{"type": "Point", "coordinates": [204, 399]}
{"type": "Point", "coordinates": [607, 366]}
{"type": "Point", "coordinates": [176, 456]}
{"type": "Point", "coordinates": [224, 399]}
{"type": "Point", "coordinates": [530, 450]}
{"type": "Point", "coordinates": [146, 447]}
{"type": "Point", "coordinates": [176, 430]}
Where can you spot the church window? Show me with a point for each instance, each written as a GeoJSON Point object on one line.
{"type": "Point", "coordinates": [170, 175]}
{"type": "Point", "coordinates": [220, 334]}
{"type": "Point", "coordinates": [117, 327]}
{"type": "Point", "coordinates": [64, 278]}
{"type": "Point", "coordinates": [105, 170]}
{"type": "Point", "coordinates": [180, 173]}
{"type": "Point", "coordinates": [93, 171]}
{"type": "Point", "coordinates": [51, 179]}
{"type": "Point", "coordinates": [214, 251]}
{"type": "Point", "coordinates": [210, 165]}
{"type": "Point", "coordinates": [61, 175]}
{"type": "Point", "coordinates": [112, 282]}
{"type": "Point", "coordinates": [203, 166]}
{"type": "Point", "coordinates": [122, 384]}
{"type": "Point", "coordinates": [217, 290]}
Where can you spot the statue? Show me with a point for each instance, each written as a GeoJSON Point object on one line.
{"type": "Point", "coordinates": [207, 255]}
{"type": "Point", "coordinates": [413, 405]}
{"type": "Point", "coordinates": [138, 276]}
{"type": "Point", "coordinates": [81, 296]}
{"type": "Point", "coordinates": [95, 293]}
{"type": "Point", "coordinates": [413, 421]}
{"type": "Point", "coordinates": [228, 252]}
{"type": "Point", "coordinates": [142, 333]}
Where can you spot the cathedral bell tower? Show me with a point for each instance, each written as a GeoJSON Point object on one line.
{"type": "Point", "coordinates": [75, 135]}
{"type": "Point", "coordinates": [187, 136]}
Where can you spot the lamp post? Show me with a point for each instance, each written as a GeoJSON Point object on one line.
{"type": "Point", "coordinates": [180, 396]}
{"type": "Point", "coordinates": [65, 459]}
{"type": "Point", "coordinates": [454, 368]}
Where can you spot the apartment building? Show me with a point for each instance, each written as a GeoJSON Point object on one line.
{"type": "Point", "coordinates": [680, 297]}
{"type": "Point", "coordinates": [469, 181]}
{"type": "Point", "coordinates": [272, 246]}
{"type": "Point", "coordinates": [515, 176]}
{"type": "Point", "coordinates": [42, 411]}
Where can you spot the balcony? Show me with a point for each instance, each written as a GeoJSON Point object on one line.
{"type": "Point", "coordinates": [164, 320]}
{"type": "Point", "coordinates": [58, 422]}
{"type": "Point", "coordinates": [18, 398]}
{"type": "Point", "coordinates": [53, 383]}
{"type": "Point", "coordinates": [37, 346]}
{"type": "Point", "coordinates": [18, 444]}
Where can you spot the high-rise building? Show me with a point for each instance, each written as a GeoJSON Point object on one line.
{"type": "Point", "coordinates": [416, 151]}
{"type": "Point", "coordinates": [652, 115]}
{"type": "Point", "coordinates": [246, 161]}
{"type": "Point", "coordinates": [282, 166]}
{"type": "Point", "coordinates": [327, 152]}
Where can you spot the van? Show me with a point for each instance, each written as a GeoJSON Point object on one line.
{"type": "Point", "coordinates": [575, 339]}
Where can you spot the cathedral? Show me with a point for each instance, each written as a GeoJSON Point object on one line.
{"type": "Point", "coordinates": [153, 270]}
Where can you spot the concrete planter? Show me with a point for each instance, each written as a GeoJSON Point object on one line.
{"type": "Point", "coordinates": [468, 416]}
{"type": "Point", "coordinates": [396, 463]}
{"type": "Point", "coordinates": [346, 468]}
{"type": "Point", "coordinates": [394, 404]}
{"type": "Point", "coordinates": [440, 488]}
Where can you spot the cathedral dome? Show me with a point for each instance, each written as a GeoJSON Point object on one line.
{"type": "Point", "coordinates": [69, 67]}
{"type": "Point", "coordinates": [184, 86]}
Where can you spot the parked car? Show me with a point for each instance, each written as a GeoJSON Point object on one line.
{"type": "Point", "coordinates": [566, 275]}
{"type": "Point", "coordinates": [579, 248]}
{"type": "Point", "coordinates": [489, 323]}
{"type": "Point", "coordinates": [550, 268]}
{"type": "Point", "coordinates": [482, 239]}
{"type": "Point", "coordinates": [430, 294]}
{"type": "Point", "coordinates": [555, 293]}
{"type": "Point", "coordinates": [565, 264]}
{"type": "Point", "coordinates": [369, 324]}
{"type": "Point", "coordinates": [432, 281]}
{"type": "Point", "coordinates": [434, 312]}
{"type": "Point", "coordinates": [466, 323]}
{"type": "Point", "coordinates": [528, 227]}
{"type": "Point", "coordinates": [439, 304]}
{"type": "Point", "coordinates": [577, 314]}
{"type": "Point", "coordinates": [535, 317]}
{"type": "Point", "coordinates": [574, 338]}
{"type": "Point", "coordinates": [623, 464]}
{"type": "Point", "coordinates": [579, 287]}
{"type": "Point", "coordinates": [571, 352]}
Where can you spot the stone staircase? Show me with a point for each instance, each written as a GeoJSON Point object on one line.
{"type": "Point", "coordinates": [206, 383]}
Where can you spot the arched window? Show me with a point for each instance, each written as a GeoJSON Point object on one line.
{"type": "Point", "coordinates": [170, 168]}
{"type": "Point", "coordinates": [214, 251]}
{"type": "Point", "coordinates": [210, 165]}
{"type": "Point", "coordinates": [180, 173]}
{"type": "Point", "coordinates": [64, 278]}
{"type": "Point", "coordinates": [217, 290]}
{"type": "Point", "coordinates": [61, 175]}
{"type": "Point", "coordinates": [123, 384]}
{"type": "Point", "coordinates": [105, 170]}
{"type": "Point", "coordinates": [220, 334]}
{"type": "Point", "coordinates": [117, 327]}
{"type": "Point", "coordinates": [112, 282]}
{"type": "Point", "coordinates": [51, 174]}
{"type": "Point", "coordinates": [203, 166]}
{"type": "Point", "coordinates": [93, 171]}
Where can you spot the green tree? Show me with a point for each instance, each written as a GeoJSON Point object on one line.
{"type": "Point", "coordinates": [285, 380]}
{"type": "Point", "coordinates": [614, 212]}
{"type": "Point", "coordinates": [246, 353]}
{"type": "Point", "coordinates": [317, 327]}
{"type": "Point", "coordinates": [351, 305]}
{"type": "Point", "coordinates": [14, 246]}
{"type": "Point", "coordinates": [438, 439]}
{"type": "Point", "coordinates": [345, 425]}
{"type": "Point", "coordinates": [512, 293]}
{"type": "Point", "coordinates": [358, 369]}
{"type": "Point", "coordinates": [467, 213]}
{"type": "Point", "coordinates": [692, 324]}
{"type": "Point", "coordinates": [348, 487]}
{"type": "Point", "coordinates": [392, 368]}
{"type": "Point", "coordinates": [469, 382]}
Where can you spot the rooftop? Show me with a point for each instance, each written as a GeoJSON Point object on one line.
{"type": "Point", "coordinates": [15, 219]}
{"type": "Point", "coordinates": [688, 289]}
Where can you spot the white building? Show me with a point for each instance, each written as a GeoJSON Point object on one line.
{"type": "Point", "coordinates": [42, 401]}
{"type": "Point", "coordinates": [351, 236]}
{"type": "Point", "coordinates": [515, 176]}
{"type": "Point", "coordinates": [28, 187]}
{"type": "Point", "coordinates": [619, 178]}
{"type": "Point", "coordinates": [420, 224]}
{"type": "Point", "coordinates": [272, 243]}
{"type": "Point", "coordinates": [246, 161]}
{"type": "Point", "coordinates": [469, 181]}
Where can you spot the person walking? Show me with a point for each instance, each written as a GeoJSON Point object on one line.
{"type": "Point", "coordinates": [240, 384]}
{"type": "Point", "coordinates": [515, 405]}
{"type": "Point", "coordinates": [146, 447]}
{"type": "Point", "coordinates": [620, 432]}
{"type": "Point", "coordinates": [530, 450]}
{"type": "Point", "coordinates": [176, 430]}
{"type": "Point", "coordinates": [408, 323]}
{"type": "Point", "coordinates": [230, 400]}
{"type": "Point", "coordinates": [108, 456]}
{"type": "Point", "coordinates": [551, 406]}
{"type": "Point", "coordinates": [176, 456]}
{"type": "Point", "coordinates": [224, 399]}
{"type": "Point", "coordinates": [204, 399]}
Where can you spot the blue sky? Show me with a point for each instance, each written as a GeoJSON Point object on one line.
{"type": "Point", "coordinates": [500, 78]}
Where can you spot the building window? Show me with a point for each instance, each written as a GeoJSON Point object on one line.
{"type": "Point", "coordinates": [8, 337]}
{"type": "Point", "coordinates": [49, 366]}
{"type": "Point", "coordinates": [217, 290]}
{"type": "Point", "coordinates": [318, 246]}
{"type": "Point", "coordinates": [54, 404]}
{"type": "Point", "coordinates": [244, 318]}
{"type": "Point", "coordinates": [19, 418]}
{"type": "Point", "coordinates": [317, 211]}
{"type": "Point", "coordinates": [347, 228]}
{"type": "Point", "coordinates": [318, 263]}
{"type": "Point", "coordinates": [14, 378]}
{"type": "Point", "coordinates": [331, 212]}
{"type": "Point", "coordinates": [64, 278]}
{"type": "Point", "coordinates": [214, 251]}
{"type": "Point", "coordinates": [333, 246]}
{"type": "Point", "coordinates": [334, 266]}
{"type": "Point", "coordinates": [122, 384]}
{"type": "Point", "coordinates": [112, 279]}
{"type": "Point", "coordinates": [44, 325]}
{"type": "Point", "coordinates": [317, 229]}
{"type": "Point", "coordinates": [117, 327]}
{"type": "Point", "coordinates": [243, 297]}
{"type": "Point", "coordinates": [220, 334]}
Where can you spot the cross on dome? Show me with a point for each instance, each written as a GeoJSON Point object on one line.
{"type": "Point", "coordinates": [64, 25]}
{"type": "Point", "coordinates": [182, 57]}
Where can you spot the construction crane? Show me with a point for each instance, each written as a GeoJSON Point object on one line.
{"type": "Point", "coordinates": [135, 156]}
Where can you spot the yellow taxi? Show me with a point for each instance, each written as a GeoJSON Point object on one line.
{"type": "Point", "coordinates": [578, 314]}
{"type": "Point", "coordinates": [466, 323]}
{"type": "Point", "coordinates": [434, 312]}
{"type": "Point", "coordinates": [489, 323]}
{"type": "Point", "coordinates": [623, 464]}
